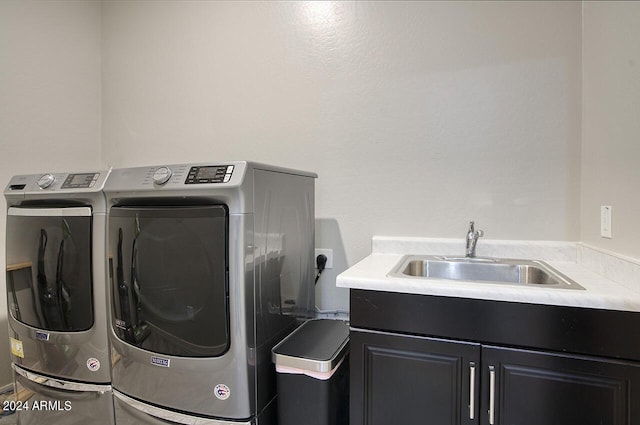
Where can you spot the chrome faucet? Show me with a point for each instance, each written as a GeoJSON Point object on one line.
{"type": "Point", "coordinates": [472, 240]}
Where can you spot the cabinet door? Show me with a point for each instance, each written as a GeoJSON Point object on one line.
{"type": "Point", "coordinates": [531, 388]}
{"type": "Point", "coordinates": [400, 379]}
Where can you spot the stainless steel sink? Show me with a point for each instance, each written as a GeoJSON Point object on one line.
{"type": "Point", "coordinates": [487, 270]}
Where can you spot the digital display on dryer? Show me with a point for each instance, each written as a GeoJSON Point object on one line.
{"type": "Point", "coordinates": [209, 174]}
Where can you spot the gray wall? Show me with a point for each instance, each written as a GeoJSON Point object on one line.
{"type": "Point", "coordinates": [49, 101]}
{"type": "Point", "coordinates": [418, 116]}
{"type": "Point", "coordinates": [611, 124]}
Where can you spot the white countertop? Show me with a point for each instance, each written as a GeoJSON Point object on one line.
{"type": "Point", "coordinates": [601, 293]}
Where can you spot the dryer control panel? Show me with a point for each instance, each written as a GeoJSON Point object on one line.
{"type": "Point", "coordinates": [209, 174]}
{"type": "Point", "coordinates": [194, 176]}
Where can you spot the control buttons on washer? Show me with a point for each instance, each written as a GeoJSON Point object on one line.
{"type": "Point", "coordinates": [162, 175]}
{"type": "Point", "coordinates": [46, 180]}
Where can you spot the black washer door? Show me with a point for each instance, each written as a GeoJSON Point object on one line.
{"type": "Point", "coordinates": [170, 285]}
{"type": "Point", "coordinates": [49, 284]}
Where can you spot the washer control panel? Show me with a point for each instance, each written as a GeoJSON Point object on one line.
{"type": "Point", "coordinates": [209, 174]}
{"type": "Point", "coordinates": [53, 182]}
{"type": "Point", "coordinates": [80, 181]}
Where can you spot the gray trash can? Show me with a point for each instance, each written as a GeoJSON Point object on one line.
{"type": "Point", "coordinates": [313, 374]}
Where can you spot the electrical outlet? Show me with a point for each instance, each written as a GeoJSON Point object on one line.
{"type": "Point", "coordinates": [605, 221]}
{"type": "Point", "coordinates": [328, 253]}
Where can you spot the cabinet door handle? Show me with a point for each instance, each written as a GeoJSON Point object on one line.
{"type": "Point", "coordinates": [492, 395]}
{"type": "Point", "coordinates": [472, 390]}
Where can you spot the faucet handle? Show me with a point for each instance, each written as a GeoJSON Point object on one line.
{"type": "Point", "coordinates": [472, 231]}
{"type": "Point", "coordinates": [472, 239]}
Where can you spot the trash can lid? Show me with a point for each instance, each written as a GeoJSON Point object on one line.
{"type": "Point", "coordinates": [317, 345]}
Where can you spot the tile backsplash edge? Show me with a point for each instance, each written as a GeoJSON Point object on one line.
{"type": "Point", "coordinates": [620, 269]}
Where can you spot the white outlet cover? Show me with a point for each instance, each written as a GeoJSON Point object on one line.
{"type": "Point", "coordinates": [605, 221]}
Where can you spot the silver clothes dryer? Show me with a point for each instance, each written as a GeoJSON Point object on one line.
{"type": "Point", "coordinates": [212, 265]}
{"type": "Point", "coordinates": [56, 295]}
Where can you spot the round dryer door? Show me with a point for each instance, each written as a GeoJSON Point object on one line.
{"type": "Point", "coordinates": [171, 278]}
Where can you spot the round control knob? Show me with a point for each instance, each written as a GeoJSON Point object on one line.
{"type": "Point", "coordinates": [45, 181]}
{"type": "Point", "coordinates": [162, 175]}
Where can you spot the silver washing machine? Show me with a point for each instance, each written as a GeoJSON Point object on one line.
{"type": "Point", "coordinates": [56, 294]}
{"type": "Point", "coordinates": [212, 265]}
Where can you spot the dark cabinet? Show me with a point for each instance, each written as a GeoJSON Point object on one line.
{"type": "Point", "coordinates": [532, 388]}
{"type": "Point", "coordinates": [401, 379]}
{"type": "Point", "coordinates": [408, 379]}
